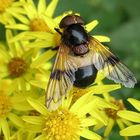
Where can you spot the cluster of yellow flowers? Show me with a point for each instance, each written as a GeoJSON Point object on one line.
{"type": "Point", "coordinates": [25, 64]}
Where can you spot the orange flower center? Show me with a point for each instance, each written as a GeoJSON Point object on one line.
{"type": "Point", "coordinates": [112, 113]}
{"type": "Point", "coordinates": [57, 39]}
{"type": "Point", "coordinates": [17, 66]}
{"type": "Point", "coordinates": [5, 4]}
{"type": "Point", "coordinates": [5, 105]}
{"type": "Point", "coordinates": [62, 125]}
{"type": "Point", "coordinates": [38, 24]}
{"type": "Point", "coordinates": [77, 93]}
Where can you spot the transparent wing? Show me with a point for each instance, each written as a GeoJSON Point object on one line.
{"type": "Point", "coordinates": [61, 79]}
{"type": "Point", "coordinates": [111, 65]}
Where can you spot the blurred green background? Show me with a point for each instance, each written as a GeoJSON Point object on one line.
{"type": "Point", "coordinates": [120, 20]}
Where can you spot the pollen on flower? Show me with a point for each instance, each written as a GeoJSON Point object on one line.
{"type": "Point", "coordinates": [5, 4]}
{"type": "Point", "coordinates": [62, 125]}
{"type": "Point", "coordinates": [5, 105]}
{"type": "Point", "coordinates": [17, 66]}
{"type": "Point", "coordinates": [77, 93]}
{"type": "Point", "coordinates": [38, 24]}
{"type": "Point", "coordinates": [57, 39]}
{"type": "Point", "coordinates": [112, 113]}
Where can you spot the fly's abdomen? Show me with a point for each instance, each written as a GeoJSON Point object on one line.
{"type": "Point", "coordinates": [85, 76]}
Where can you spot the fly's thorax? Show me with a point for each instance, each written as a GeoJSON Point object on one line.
{"type": "Point", "coordinates": [76, 38]}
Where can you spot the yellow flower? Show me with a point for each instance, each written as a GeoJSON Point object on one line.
{"type": "Point", "coordinates": [37, 23]}
{"type": "Point", "coordinates": [107, 112]}
{"type": "Point", "coordinates": [111, 116]}
{"type": "Point", "coordinates": [10, 107]}
{"type": "Point", "coordinates": [22, 107]}
{"type": "Point", "coordinates": [35, 18]}
{"type": "Point", "coordinates": [132, 130]}
{"type": "Point", "coordinates": [69, 121]}
{"type": "Point", "coordinates": [20, 65]}
{"type": "Point", "coordinates": [8, 8]}
{"type": "Point", "coordinates": [94, 89]}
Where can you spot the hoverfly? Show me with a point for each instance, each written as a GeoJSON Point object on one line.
{"type": "Point", "coordinates": [79, 58]}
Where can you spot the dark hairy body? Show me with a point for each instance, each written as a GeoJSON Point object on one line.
{"type": "Point", "coordinates": [77, 39]}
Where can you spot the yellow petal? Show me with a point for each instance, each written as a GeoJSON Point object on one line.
{"type": "Point", "coordinates": [41, 44]}
{"type": "Point", "coordinates": [10, 45]}
{"type": "Point", "coordinates": [17, 134]}
{"type": "Point", "coordinates": [88, 122]}
{"type": "Point", "coordinates": [41, 35]}
{"type": "Point", "coordinates": [66, 102]}
{"type": "Point", "coordinates": [40, 84]}
{"type": "Point", "coordinates": [51, 24]}
{"type": "Point", "coordinates": [89, 134]}
{"type": "Point", "coordinates": [34, 35]}
{"type": "Point", "coordinates": [126, 122]}
{"type": "Point", "coordinates": [100, 116]}
{"type": "Point", "coordinates": [34, 128]}
{"type": "Point", "coordinates": [41, 6]}
{"type": "Point", "coordinates": [102, 38]}
{"type": "Point", "coordinates": [5, 129]}
{"type": "Point", "coordinates": [20, 36]}
{"type": "Point", "coordinates": [30, 9]}
{"type": "Point", "coordinates": [109, 127]}
{"type": "Point", "coordinates": [22, 84]}
{"type": "Point", "coordinates": [86, 108]}
{"type": "Point", "coordinates": [18, 26]}
{"type": "Point", "coordinates": [120, 124]}
{"type": "Point", "coordinates": [98, 126]}
{"type": "Point", "coordinates": [33, 120]}
{"type": "Point", "coordinates": [3, 52]}
{"type": "Point", "coordinates": [21, 18]}
{"type": "Point", "coordinates": [51, 8]}
{"type": "Point", "coordinates": [44, 57]}
{"type": "Point", "coordinates": [133, 130]}
{"type": "Point", "coordinates": [90, 26]}
{"type": "Point", "coordinates": [16, 120]}
{"type": "Point", "coordinates": [129, 115]}
{"type": "Point", "coordinates": [30, 136]}
{"type": "Point", "coordinates": [135, 103]}
{"type": "Point", "coordinates": [38, 106]}
{"type": "Point", "coordinates": [100, 76]}
{"type": "Point", "coordinates": [100, 89]}
{"type": "Point", "coordinates": [22, 107]}
{"type": "Point", "coordinates": [89, 96]}
{"type": "Point", "coordinates": [40, 137]}
{"type": "Point", "coordinates": [104, 104]}
{"type": "Point", "coordinates": [16, 9]}
{"type": "Point", "coordinates": [14, 85]}
{"type": "Point", "coordinates": [80, 102]}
